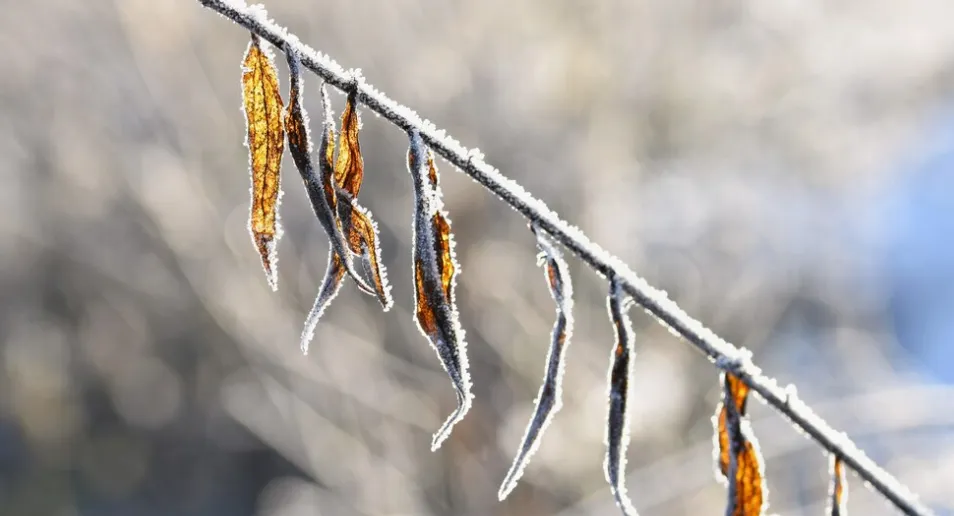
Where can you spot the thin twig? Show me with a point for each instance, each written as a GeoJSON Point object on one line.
{"type": "Point", "coordinates": [723, 354]}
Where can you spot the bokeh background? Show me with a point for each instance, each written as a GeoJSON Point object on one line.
{"type": "Point", "coordinates": [785, 170]}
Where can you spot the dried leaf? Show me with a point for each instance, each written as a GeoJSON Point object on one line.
{"type": "Point", "coordinates": [262, 104]}
{"type": "Point", "coordinates": [549, 400]}
{"type": "Point", "coordinates": [329, 289]}
{"type": "Point", "coordinates": [326, 178]}
{"type": "Point", "coordinates": [740, 393]}
{"type": "Point", "coordinates": [362, 234]}
{"type": "Point", "coordinates": [747, 493]}
{"type": "Point", "coordinates": [320, 190]}
{"type": "Point", "coordinates": [838, 492]}
{"type": "Point", "coordinates": [434, 273]}
{"type": "Point", "coordinates": [349, 170]}
{"type": "Point", "coordinates": [617, 429]}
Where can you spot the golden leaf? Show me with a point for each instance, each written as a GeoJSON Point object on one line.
{"type": "Point", "coordinates": [748, 482]}
{"type": "Point", "coordinates": [435, 268]}
{"type": "Point", "coordinates": [740, 392]}
{"type": "Point", "coordinates": [744, 473]}
{"type": "Point", "coordinates": [349, 169]}
{"type": "Point", "coordinates": [363, 240]}
{"type": "Point", "coordinates": [442, 249]}
{"type": "Point", "coordinates": [262, 103]}
{"type": "Point", "coordinates": [431, 170]}
{"type": "Point", "coordinates": [838, 492]}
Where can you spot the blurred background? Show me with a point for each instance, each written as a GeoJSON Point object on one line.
{"type": "Point", "coordinates": [785, 170]}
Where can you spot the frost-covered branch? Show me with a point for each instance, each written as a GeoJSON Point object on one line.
{"type": "Point", "coordinates": [724, 355]}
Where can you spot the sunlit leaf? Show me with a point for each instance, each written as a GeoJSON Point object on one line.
{"type": "Point", "coordinates": [320, 193]}
{"type": "Point", "coordinates": [838, 491]}
{"type": "Point", "coordinates": [740, 393]}
{"type": "Point", "coordinates": [620, 373]}
{"type": "Point", "coordinates": [434, 274]}
{"type": "Point", "coordinates": [747, 495]}
{"type": "Point", "coordinates": [349, 169]}
{"type": "Point", "coordinates": [549, 400]}
{"type": "Point", "coordinates": [326, 179]}
{"type": "Point", "coordinates": [262, 103]}
{"type": "Point", "coordinates": [362, 234]}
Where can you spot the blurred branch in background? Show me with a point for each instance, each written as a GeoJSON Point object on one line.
{"type": "Point", "coordinates": [755, 148]}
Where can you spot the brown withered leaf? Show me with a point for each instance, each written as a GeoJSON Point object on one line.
{"type": "Point", "coordinates": [434, 273]}
{"type": "Point", "coordinates": [262, 103]}
{"type": "Point", "coordinates": [362, 234]}
{"type": "Point", "coordinates": [326, 179]}
{"type": "Point", "coordinates": [620, 373]}
{"type": "Point", "coordinates": [442, 249]}
{"type": "Point", "coordinates": [748, 482]}
{"type": "Point", "coordinates": [549, 400]}
{"type": "Point", "coordinates": [838, 491]}
{"type": "Point", "coordinates": [321, 192]}
{"type": "Point", "coordinates": [740, 393]}
{"type": "Point", "coordinates": [432, 170]}
{"type": "Point", "coordinates": [349, 169]}
{"type": "Point", "coordinates": [329, 289]}
{"type": "Point", "coordinates": [320, 189]}
{"type": "Point", "coordinates": [747, 494]}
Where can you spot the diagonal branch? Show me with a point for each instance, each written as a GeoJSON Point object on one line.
{"type": "Point", "coordinates": [724, 355]}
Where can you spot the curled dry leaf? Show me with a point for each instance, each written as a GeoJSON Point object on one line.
{"type": "Point", "coordinates": [362, 234]}
{"type": "Point", "coordinates": [434, 277]}
{"type": "Point", "coordinates": [617, 428]}
{"type": "Point", "coordinates": [349, 169]}
{"type": "Point", "coordinates": [740, 393]}
{"type": "Point", "coordinates": [549, 400]}
{"type": "Point", "coordinates": [320, 188]}
{"type": "Point", "coordinates": [747, 494]}
{"type": "Point", "coordinates": [356, 221]}
{"type": "Point", "coordinates": [838, 491]}
{"type": "Point", "coordinates": [349, 226]}
{"type": "Point", "coordinates": [262, 104]}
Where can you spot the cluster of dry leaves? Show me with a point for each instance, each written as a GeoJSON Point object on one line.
{"type": "Point", "coordinates": [333, 191]}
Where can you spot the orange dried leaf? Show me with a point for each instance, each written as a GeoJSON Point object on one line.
{"type": "Point", "coordinates": [326, 183]}
{"type": "Point", "coordinates": [442, 249]}
{"type": "Point", "coordinates": [349, 169]}
{"type": "Point", "coordinates": [432, 171]}
{"type": "Point", "coordinates": [363, 240]}
{"type": "Point", "coordinates": [744, 472]}
{"type": "Point", "coordinates": [838, 492]}
{"type": "Point", "coordinates": [740, 392]}
{"type": "Point", "coordinates": [748, 482]}
{"type": "Point", "coordinates": [434, 271]}
{"type": "Point", "coordinates": [262, 103]}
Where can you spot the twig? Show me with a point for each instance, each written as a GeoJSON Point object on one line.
{"type": "Point", "coordinates": [723, 354]}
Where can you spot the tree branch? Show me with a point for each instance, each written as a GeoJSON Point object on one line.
{"type": "Point", "coordinates": [723, 354]}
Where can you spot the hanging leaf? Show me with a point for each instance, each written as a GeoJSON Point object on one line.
{"type": "Point", "coordinates": [747, 493]}
{"type": "Point", "coordinates": [838, 492]}
{"type": "Point", "coordinates": [329, 289]}
{"type": "Point", "coordinates": [356, 221]}
{"type": "Point", "coordinates": [549, 400]}
{"type": "Point", "coordinates": [349, 169]}
{"type": "Point", "coordinates": [740, 393]}
{"type": "Point", "coordinates": [434, 274]}
{"type": "Point", "coordinates": [363, 239]}
{"type": "Point", "coordinates": [262, 104]}
{"type": "Point", "coordinates": [320, 190]}
{"type": "Point", "coordinates": [617, 428]}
